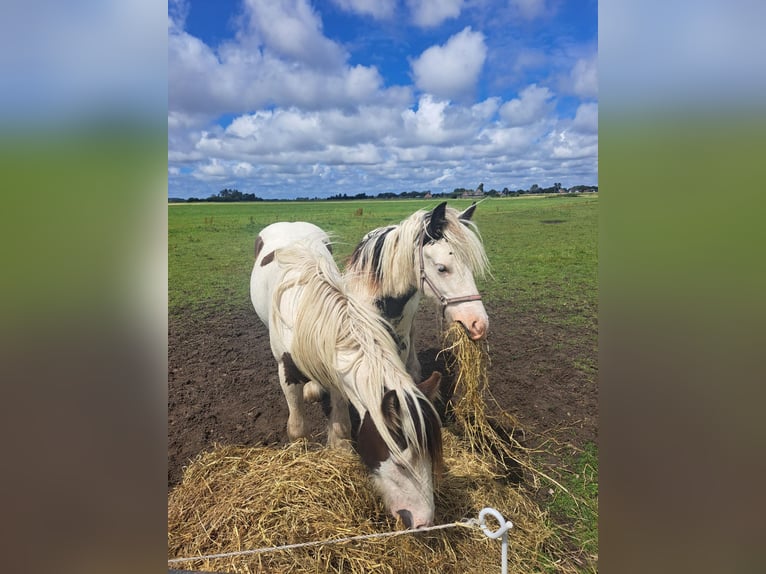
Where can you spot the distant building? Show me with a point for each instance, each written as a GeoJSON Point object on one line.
{"type": "Point", "coordinates": [477, 193]}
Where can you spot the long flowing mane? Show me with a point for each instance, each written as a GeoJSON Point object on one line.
{"type": "Point", "coordinates": [385, 258]}
{"type": "Point", "coordinates": [335, 332]}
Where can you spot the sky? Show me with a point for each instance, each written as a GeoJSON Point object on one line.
{"type": "Point", "coordinates": [294, 98]}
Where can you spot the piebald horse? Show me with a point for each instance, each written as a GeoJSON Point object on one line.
{"type": "Point", "coordinates": [434, 253]}
{"type": "Point", "coordinates": [320, 332]}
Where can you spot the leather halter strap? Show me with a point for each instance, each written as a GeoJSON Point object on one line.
{"type": "Point", "coordinates": [425, 279]}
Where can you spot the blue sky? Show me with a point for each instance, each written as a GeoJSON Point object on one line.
{"type": "Point", "coordinates": [291, 98]}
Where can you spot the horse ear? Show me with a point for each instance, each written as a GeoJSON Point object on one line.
{"type": "Point", "coordinates": [392, 415]}
{"type": "Point", "coordinates": [431, 386]}
{"type": "Point", "coordinates": [391, 408]}
{"type": "Point", "coordinates": [468, 213]}
{"type": "Point", "coordinates": [436, 220]}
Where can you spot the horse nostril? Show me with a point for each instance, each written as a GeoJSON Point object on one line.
{"type": "Point", "coordinates": [406, 517]}
{"type": "Point", "coordinates": [477, 331]}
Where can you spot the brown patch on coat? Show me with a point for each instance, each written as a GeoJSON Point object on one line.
{"type": "Point", "coordinates": [293, 375]}
{"type": "Point", "coordinates": [258, 246]}
{"type": "Point", "coordinates": [268, 258]}
{"type": "Point", "coordinates": [370, 445]}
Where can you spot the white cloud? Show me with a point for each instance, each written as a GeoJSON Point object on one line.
{"type": "Point", "coordinates": [235, 77]}
{"type": "Point", "coordinates": [430, 13]}
{"type": "Point", "coordinates": [533, 104]}
{"type": "Point", "coordinates": [426, 124]}
{"type": "Point", "coordinates": [584, 77]}
{"type": "Point", "coordinates": [586, 118]}
{"type": "Point", "coordinates": [243, 169]}
{"type": "Point", "coordinates": [529, 9]}
{"type": "Point", "coordinates": [380, 9]}
{"type": "Point", "coordinates": [451, 70]}
{"type": "Point", "coordinates": [212, 170]}
{"type": "Point", "coordinates": [292, 29]}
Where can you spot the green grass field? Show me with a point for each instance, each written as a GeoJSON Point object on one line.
{"type": "Point", "coordinates": [543, 251]}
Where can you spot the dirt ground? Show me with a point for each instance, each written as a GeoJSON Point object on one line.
{"type": "Point", "coordinates": [223, 386]}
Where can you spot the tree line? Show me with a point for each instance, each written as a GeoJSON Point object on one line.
{"type": "Point", "coordinates": [234, 195]}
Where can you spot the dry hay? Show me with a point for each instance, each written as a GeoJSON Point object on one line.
{"type": "Point", "coordinates": [492, 439]}
{"type": "Point", "coordinates": [237, 498]}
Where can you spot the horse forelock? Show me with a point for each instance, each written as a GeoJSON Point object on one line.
{"type": "Point", "coordinates": [464, 240]}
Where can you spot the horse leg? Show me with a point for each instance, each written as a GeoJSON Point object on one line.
{"type": "Point", "coordinates": [296, 427]}
{"type": "Point", "coordinates": [339, 431]}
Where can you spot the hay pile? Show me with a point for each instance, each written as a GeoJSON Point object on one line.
{"type": "Point", "coordinates": [236, 498]}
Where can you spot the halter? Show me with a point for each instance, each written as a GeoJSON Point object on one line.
{"type": "Point", "coordinates": [445, 301]}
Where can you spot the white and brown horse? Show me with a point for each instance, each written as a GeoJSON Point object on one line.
{"type": "Point", "coordinates": [320, 332]}
{"type": "Point", "coordinates": [434, 253]}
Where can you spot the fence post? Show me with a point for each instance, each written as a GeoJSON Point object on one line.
{"type": "Point", "coordinates": [505, 526]}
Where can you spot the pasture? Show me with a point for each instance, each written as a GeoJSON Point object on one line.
{"type": "Point", "coordinates": [541, 299]}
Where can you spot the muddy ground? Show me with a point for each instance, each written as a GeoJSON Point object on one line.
{"type": "Point", "coordinates": [223, 386]}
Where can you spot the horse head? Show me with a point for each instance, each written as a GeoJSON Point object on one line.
{"type": "Point", "coordinates": [404, 475]}
{"type": "Point", "coordinates": [449, 253]}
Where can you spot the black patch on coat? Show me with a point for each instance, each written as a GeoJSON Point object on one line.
{"type": "Point", "coordinates": [293, 375]}
{"type": "Point", "coordinates": [393, 307]}
{"type": "Point", "coordinates": [377, 251]}
{"type": "Point", "coordinates": [268, 258]}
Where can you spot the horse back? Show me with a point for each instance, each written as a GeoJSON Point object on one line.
{"type": "Point", "coordinates": [266, 274]}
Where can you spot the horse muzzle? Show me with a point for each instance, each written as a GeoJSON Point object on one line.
{"type": "Point", "coordinates": [408, 520]}
{"type": "Point", "coordinates": [476, 324]}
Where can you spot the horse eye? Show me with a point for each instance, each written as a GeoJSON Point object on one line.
{"type": "Point", "coordinates": [441, 268]}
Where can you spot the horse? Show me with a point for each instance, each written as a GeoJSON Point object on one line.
{"type": "Point", "coordinates": [320, 332]}
{"type": "Point", "coordinates": [434, 253]}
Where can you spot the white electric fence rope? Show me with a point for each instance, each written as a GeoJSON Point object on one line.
{"type": "Point", "coordinates": [471, 522]}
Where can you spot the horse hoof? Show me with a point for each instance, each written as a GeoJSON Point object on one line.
{"type": "Point", "coordinates": [342, 444]}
